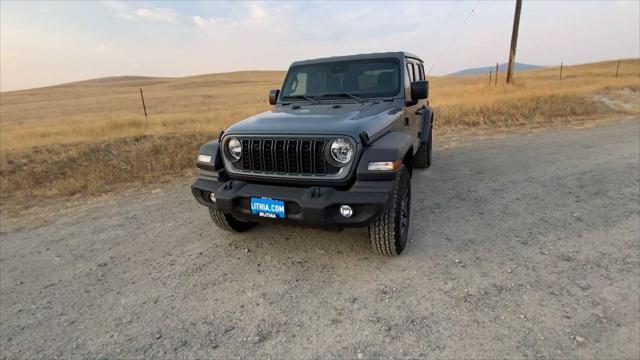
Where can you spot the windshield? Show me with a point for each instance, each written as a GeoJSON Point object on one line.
{"type": "Point", "coordinates": [343, 79]}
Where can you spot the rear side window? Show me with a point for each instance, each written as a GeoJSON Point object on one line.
{"type": "Point", "coordinates": [420, 72]}
{"type": "Point", "coordinates": [415, 70]}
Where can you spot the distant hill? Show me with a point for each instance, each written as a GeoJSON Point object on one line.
{"type": "Point", "coordinates": [501, 68]}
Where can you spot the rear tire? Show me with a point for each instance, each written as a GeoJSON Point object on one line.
{"type": "Point", "coordinates": [423, 156]}
{"type": "Point", "coordinates": [229, 223]}
{"type": "Point", "coordinates": [388, 232]}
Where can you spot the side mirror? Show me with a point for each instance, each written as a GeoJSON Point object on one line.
{"type": "Point", "coordinates": [273, 96]}
{"type": "Point", "coordinates": [419, 90]}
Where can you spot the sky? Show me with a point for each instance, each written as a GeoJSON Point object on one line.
{"type": "Point", "coordinates": [46, 43]}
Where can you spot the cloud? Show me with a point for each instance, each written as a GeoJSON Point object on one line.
{"type": "Point", "coordinates": [257, 12]}
{"type": "Point", "coordinates": [118, 6]}
{"type": "Point", "coordinates": [124, 11]}
{"type": "Point", "coordinates": [215, 24]}
{"type": "Point", "coordinates": [104, 47]}
{"type": "Point", "coordinates": [255, 18]}
{"type": "Point", "coordinates": [200, 22]}
{"type": "Point", "coordinates": [159, 14]}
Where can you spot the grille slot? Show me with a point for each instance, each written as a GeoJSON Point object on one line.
{"type": "Point", "coordinates": [292, 157]}
{"type": "Point", "coordinates": [318, 157]}
{"type": "Point", "coordinates": [280, 156]}
{"type": "Point", "coordinates": [256, 156]}
{"type": "Point", "coordinates": [306, 157]}
{"type": "Point", "coordinates": [246, 152]}
{"type": "Point", "coordinates": [267, 151]}
{"type": "Point", "coordinates": [295, 156]}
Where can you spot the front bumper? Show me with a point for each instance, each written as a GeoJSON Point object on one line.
{"type": "Point", "coordinates": [316, 206]}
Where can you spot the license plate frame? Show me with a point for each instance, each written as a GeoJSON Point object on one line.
{"type": "Point", "coordinates": [267, 207]}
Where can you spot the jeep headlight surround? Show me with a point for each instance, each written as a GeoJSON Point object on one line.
{"type": "Point", "coordinates": [341, 151]}
{"type": "Point", "coordinates": [234, 149]}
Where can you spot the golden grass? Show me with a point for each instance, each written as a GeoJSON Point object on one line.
{"type": "Point", "coordinates": [92, 111]}
{"type": "Point", "coordinates": [90, 137]}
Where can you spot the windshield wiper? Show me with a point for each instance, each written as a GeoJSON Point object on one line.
{"type": "Point", "coordinates": [304, 97]}
{"type": "Point", "coordinates": [345, 95]}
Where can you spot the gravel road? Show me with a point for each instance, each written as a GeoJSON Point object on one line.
{"type": "Point", "coordinates": [524, 246]}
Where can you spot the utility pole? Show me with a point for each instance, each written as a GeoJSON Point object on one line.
{"type": "Point", "coordinates": [514, 40]}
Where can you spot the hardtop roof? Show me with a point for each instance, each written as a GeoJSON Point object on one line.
{"type": "Point", "coordinates": [396, 54]}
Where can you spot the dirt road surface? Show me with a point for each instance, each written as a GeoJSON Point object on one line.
{"type": "Point", "coordinates": [522, 247]}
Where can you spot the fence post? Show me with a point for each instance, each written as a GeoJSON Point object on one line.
{"type": "Point", "coordinates": [560, 78]}
{"type": "Point", "coordinates": [144, 107]}
{"type": "Point", "coordinates": [490, 71]}
{"type": "Point", "coordinates": [497, 74]}
{"type": "Point", "coordinates": [617, 68]}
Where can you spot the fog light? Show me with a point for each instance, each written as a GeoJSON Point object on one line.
{"type": "Point", "coordinates": [212, 197]}
{"type": "Point", "coordinates": [346, 211]}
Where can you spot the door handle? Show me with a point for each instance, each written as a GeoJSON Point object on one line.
{"type": "Point", "coordinates": [420, 111]}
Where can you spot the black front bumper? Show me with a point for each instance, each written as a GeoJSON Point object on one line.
{"type": "Point", "coordinates": [316, 206]}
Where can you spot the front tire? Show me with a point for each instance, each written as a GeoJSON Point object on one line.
{"type": "Point", "coordinates": [229, 223]}
{"type": "Point", "coordinates": [423, 156]}
{"type": "Point", "coordinates": [388, 232]}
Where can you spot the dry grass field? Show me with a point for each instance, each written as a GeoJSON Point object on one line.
{"type": "Point", "coordinates": [92, 137]}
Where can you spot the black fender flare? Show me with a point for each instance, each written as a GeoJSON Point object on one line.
{"type": "Point", "coordinates": [426, 124]}
{"type": "Point", "coordinates": [212, 148]}
{"type": "Point", "coordinates": [390, 147]}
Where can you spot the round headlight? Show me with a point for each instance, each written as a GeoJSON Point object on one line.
{"type": "Point", "coordinates": [235, 148]}
{"type": "Point", "coordinates": [341, 151]}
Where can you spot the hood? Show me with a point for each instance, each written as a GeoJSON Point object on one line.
{"type": "Point", "coordinates": [321, 119]}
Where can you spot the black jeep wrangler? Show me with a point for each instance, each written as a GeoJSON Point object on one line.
{"type": "Point", "coordinates": [338, 149]}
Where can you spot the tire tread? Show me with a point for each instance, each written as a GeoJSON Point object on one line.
{"type": "Point", "coordinates": [227, 223]}
{"type": "Point", "coordinates": [383, 230]}
{"type": "Point", "coordinates": [422, 159]}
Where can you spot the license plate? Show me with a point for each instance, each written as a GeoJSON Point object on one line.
{"type": "Point", "coordinates": [267, 207]}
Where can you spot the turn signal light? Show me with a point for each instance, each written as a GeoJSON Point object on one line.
{"type": "Point", "coordinates": [384, 165]}
{"type": "Point", "coordinates": [204, 158]}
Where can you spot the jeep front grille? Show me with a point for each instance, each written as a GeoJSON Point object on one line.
{"type": "Point", "coordinates": [293, 156]}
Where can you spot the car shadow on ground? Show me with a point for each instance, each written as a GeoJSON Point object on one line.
{"type": "Point", "coordinates": [354, 242]}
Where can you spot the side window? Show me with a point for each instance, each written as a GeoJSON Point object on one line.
{"type": "Point", "coordinates": [410, 72]}
{"type": "Point", "coordinates": [407, 83]}
{"type": "Point", "coordinates": [420, 71]}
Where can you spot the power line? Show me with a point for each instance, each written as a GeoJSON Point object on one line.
{"type": "Point", "coordinates": [441, 29]}
{"type": "Point", "coordinates": [453, 37]}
